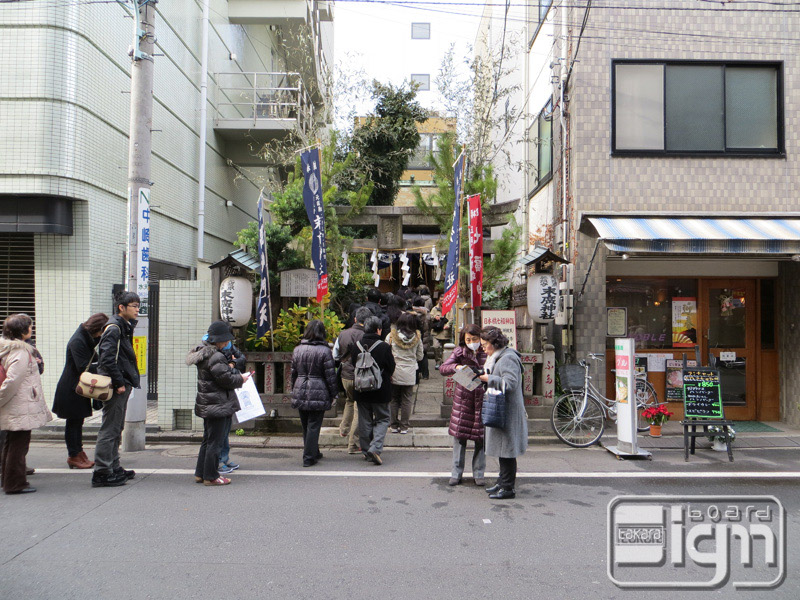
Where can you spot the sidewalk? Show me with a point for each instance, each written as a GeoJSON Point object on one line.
{"type": "Point", "coordinates": [428, 430]}
{"type": "Point", "coordinates": [437, 437]}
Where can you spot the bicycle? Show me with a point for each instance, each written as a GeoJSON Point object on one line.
{"type": "Point", "coordinates": [579, 415]}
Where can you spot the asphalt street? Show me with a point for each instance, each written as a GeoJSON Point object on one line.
{"type": "Point", "coordinates": [348, 529]}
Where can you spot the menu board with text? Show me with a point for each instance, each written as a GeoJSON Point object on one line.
{"type": "Point", "coordinates": [701, 394]}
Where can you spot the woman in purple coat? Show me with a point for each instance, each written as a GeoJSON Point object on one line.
{"type": "Point", "coordinates": [465, 419]}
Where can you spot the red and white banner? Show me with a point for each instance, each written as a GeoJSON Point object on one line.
{"type": "Point", "coordinates": [475, 249]}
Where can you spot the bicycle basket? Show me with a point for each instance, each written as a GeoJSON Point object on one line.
{"type": "Point", "coordinates": [571, 376]}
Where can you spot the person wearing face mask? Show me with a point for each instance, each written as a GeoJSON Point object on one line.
{"type": "Point", "coordinates": [465, 418]}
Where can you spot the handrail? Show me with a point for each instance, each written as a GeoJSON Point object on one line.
{"type": "Point", "coordinates": [263, 95]}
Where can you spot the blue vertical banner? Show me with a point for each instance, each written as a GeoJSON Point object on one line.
{"type": "Point", "coordinates": [264, 310]}
{"type": "Point", "coordinates": [312, 198]}
{"type": "Point", "coordinates": [454, 253]}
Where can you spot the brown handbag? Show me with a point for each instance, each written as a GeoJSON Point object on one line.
{"type": "Point", "coordinates": [93, 386]}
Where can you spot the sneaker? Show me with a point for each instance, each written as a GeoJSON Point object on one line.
{"type": "Point", "coordinates": [403, 431]}
{"type": "Point", "coordinates": [231, 465]}
{"type": "Point", "coordinates": [110, 480]}
{"type": "Point", "coordinates": [225, 469]}
{"type": "Point", "coordinates": [436, 367]}
{"type": "Point", "coordinates": [127, 474]}
{"type": "Point", "coordinates": [375, 458]}
{"type": "Point", "coordinates": [395, 430]}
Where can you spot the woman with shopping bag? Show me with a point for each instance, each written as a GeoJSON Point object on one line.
{"type": "Point", "coordinates": [503, 410]}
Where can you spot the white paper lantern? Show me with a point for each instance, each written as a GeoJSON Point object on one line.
{"type": "Point", "coordinates": [236, 301]}
{"type": "Point", "coordinates": [542, 297]}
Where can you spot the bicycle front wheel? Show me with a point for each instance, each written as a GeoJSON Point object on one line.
{"type": "Point", "coordinates": [645, 397]}
{"type": "Point", "coordinates": [576, 429]}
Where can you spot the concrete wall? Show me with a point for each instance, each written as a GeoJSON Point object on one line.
{"type": "Point", "coordinates": [185, 314]}
{"type": "Point", "coordinates": [605, 182]}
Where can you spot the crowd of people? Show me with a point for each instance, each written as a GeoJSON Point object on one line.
{"type": "Point", "coordinates": [375, 364]}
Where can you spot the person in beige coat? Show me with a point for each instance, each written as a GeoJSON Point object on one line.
{"type": "Point", "coordinates": [22, 402]}
{"type": "Point", "coordinates": [407, 350]}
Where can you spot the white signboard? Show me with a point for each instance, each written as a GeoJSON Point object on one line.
{"type": "Point", "coordinates": [505, 320]}
{"type": "Point", "coordinates": [626, 395]}
{"type": "Point", "coordinates": [299, 283]}
{"type": "Point", "coordinates": [250, 402]}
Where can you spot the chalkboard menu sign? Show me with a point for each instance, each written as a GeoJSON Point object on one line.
{"type": "Point", "coordinates": [701, 394]}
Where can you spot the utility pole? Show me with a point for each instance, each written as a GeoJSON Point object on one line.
{"type": "Point", "coordinates": [139, 158]}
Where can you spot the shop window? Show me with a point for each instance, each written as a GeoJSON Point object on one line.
{"type": "Point", "coordinates": [660, 312]}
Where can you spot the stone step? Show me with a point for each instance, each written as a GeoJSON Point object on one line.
{"type": "Point", "coordinates": [430, 437]}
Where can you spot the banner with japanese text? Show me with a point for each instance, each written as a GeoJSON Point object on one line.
{"type": "Point", "coordinates": [138, 264]}
{"type": "Point", "coordinates": [453, 254]}
{"type": "Point", "coordinates": [475, 250]}
{"type": "Point", "coordinates": [264, 309]}
{"type": "Point", "coordinates": [312, 198]}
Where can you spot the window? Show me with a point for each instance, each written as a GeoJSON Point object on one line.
{"type": "Point", "coordinates": [540, 149]}
{"type": "Point", "coordinates": [662, 313]}
{"type": "Point", "coordinates": [427, 144]}
{"type": "Point", "coordinates": [697, 108]}
{"type": "Point", "coordinates": [537, 13]}
{"type": "Point", "coordinates": [420, 31]}
{"type": "Point", "coordinates": [424, 81]}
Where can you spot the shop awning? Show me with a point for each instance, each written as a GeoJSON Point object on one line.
{"type": "Point", "coordinates": [704, 235]}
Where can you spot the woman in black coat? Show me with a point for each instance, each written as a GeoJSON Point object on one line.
{"type": "Point", "coordinates": [314, 386]}
{"type": "Point", "coordinates": [216, 399]}
{"type": "Point", "coordinates": [66, 403]}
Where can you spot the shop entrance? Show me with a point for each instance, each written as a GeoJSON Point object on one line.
{"type": "Point", "coordinates": [727, 337]}
{"type": "Point", "coordinates": [732, 320]}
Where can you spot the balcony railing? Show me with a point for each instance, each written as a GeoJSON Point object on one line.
{"type": "Point", "coordinates": [262, 101]}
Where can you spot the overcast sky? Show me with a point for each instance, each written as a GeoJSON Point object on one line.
{"type": "Point", "coordinates": [377, 38]}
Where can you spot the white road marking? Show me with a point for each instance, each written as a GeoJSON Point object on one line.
{"type": "Point", "coordinates": [738, 475]}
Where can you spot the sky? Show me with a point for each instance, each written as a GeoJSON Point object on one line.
{"type": "Point", "coordinates": [375, 39]}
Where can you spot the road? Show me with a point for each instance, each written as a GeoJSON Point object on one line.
{"type": "Point", "coordinates": [348, 529]}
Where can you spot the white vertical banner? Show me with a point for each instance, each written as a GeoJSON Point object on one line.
{"type": "Point", "coordinates": [375, 275]}
{"type": "Point", "coordinates": [141, 263]}
{"type": "Point", "coordinates": [405, 268]}
{"type": "Point", "coordinates": [624, 358]}
{"type": "Point", "coordinates": [345, 268]}
{"type": "Point", "coordinates": [437, 264]}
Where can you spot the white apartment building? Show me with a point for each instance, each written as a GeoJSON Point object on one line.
{"type": "Point", "coordinates": [64, 113]}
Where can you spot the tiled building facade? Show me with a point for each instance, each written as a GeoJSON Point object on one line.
{"type": "Point", "coordinates": [605, 181]}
